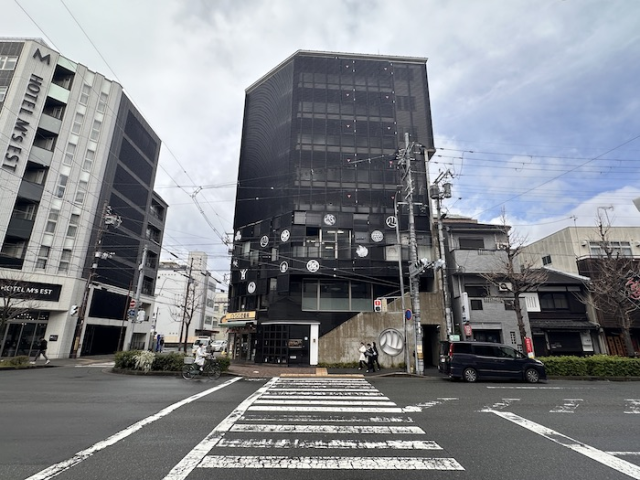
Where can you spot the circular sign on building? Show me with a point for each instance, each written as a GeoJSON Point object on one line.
{"type": "Point", "coordinates": [391, 342]}
{"type": "Point", "coordinates": [377, 236]}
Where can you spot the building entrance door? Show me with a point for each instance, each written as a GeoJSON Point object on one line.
{"type": "Point", "coordinates": [22, 339]}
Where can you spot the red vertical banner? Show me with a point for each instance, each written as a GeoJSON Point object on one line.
{"type": "Point", "coordinates": [528, 346]}
{"type": "Point", "coordinates": [467, 330]}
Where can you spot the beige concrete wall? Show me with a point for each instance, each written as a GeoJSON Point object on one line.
{"type": "Point", "coordinates": [342, 343]}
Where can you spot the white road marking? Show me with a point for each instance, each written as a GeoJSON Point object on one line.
{"type": "Point", "coordinates": [633, 405]}
{"type": "Point", "coordinates": [316, 393]}
{"type": "Point", "coordinates": [276, 408]}
{"type": "Point", "coordinates": [331, 463]}
{"type": "Point", "coordinates": [327, 402]}
{"type": "Point", "coordinates": [332, 429]}
{"type": "Point", "coordinates": [500, 405]}
{"type": "Point", "coordinates": [604, 458]}
{"type": "Point", "coordinates": [570, 406]}
{"type": "Point", "coordinates": [420, 406]}
{"type": "Point", "coordinates": [337, 444]}
{"type": "Point", "coordinates": [316, 399]}
{"type": "Point", "coordinates": [524, 388]}
{"type": "Point", "coordinates": [97, 365]}
{"type": "Point", "coordinates": [323, 418]}
{"type": "Point", "coordinates": [58, 468]}
{"type": "Point", "coordinates": [623, 454]}
{"type": "Point", "coordinates": [185, 466]}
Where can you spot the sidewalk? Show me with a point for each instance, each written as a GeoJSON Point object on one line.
{"type": "Point", "coordinates": [256, 370]}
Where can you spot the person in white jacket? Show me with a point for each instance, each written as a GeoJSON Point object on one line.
{"type": "Point", "coordinates": [363, 358]}
{"type": "Point", "coordinates": [201, 355]}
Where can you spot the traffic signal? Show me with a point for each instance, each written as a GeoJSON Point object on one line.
{"type": "Point", "coordinates": [377, 305]}
{"type": "Point", "coordinates": [73, 310]}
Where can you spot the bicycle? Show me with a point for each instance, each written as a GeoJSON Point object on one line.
{"type": "Point", "coordinates": [210, 370]}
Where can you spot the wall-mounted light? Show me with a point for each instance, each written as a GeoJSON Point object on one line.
{"type": "Point", "coordinates": [584, 243]}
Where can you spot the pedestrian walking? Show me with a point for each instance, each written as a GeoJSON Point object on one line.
{"type": "Point", "coordinates": [363, 358]}
{"type": "Point", "coordinates": [374, 360]}
{"type": "Point", "coordinates": [42, 350]}
{"type": "Point", "coordinates": [369, 354]}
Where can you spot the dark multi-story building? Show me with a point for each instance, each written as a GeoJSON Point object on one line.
{"type": "Point", "coordinates": [77, 206]}
{"type": "Point", "coordinates": [314, 230]}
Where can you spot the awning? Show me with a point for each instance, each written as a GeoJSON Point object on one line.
{"type": "Point", "coordinates": [561, 324]}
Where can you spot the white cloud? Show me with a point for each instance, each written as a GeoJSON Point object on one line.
{"type": "Point", "coordinates": [540, 88]}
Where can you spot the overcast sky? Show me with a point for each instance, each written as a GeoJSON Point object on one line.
{"type": "Point", "coordinates": [535, 103]}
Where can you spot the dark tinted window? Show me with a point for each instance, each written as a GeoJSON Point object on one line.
{"type": "Point", "coordinates": [461, 348]}
{"type": "Point", "coordinates": [486, 351]}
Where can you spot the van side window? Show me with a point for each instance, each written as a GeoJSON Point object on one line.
{"type": "Point", "coordinates": [461, 348]}
{"type": "Point", "coordinates": [487, 351]}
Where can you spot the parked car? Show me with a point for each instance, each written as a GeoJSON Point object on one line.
{"type": "Point", "coordinates": [219, 345]}
{"type": "Point", "coordinates": [472, 361]}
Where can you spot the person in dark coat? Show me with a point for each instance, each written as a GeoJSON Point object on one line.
{"type": "Point", "coordinates": [374, 360]}
{"type": "Point", "coordinates": [369, 354]}
{"type": "Point", "coordinates": [42, 350]}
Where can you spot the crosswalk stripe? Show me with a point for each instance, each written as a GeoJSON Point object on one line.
{"type": "Point", "coordinates": [333, 429]}
{"type": "Point", "coordinates": [331, 444]}
{"type": "Point", "coordinates": [323, 418]}
{"type": "Point", "coordinates": [325, 402]}
{"type": "Point", "coordinates": [317, 399]}
{"type": "Point", "coordinates": [292, 408]}
{"type": "Point", "coordinates": [330, 463]}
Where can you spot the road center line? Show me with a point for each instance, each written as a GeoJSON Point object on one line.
{"type": "Point", "coordinates": [604, 458]}
{"type": "Point", "coordinates": [82, 455]}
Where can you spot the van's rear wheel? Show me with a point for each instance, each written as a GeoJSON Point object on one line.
{"type": "Point", "coordinates": [470, 375]}
{"type": "Point", "coordinates": [531, 375]}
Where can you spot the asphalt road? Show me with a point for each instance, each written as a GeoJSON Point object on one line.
{"type": "Point", "coordinates": [85, 423]}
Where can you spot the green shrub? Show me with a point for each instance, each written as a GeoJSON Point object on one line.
{"type": "Point", "coordinates": [160, 362]}
{"type": "Point", "coordinates": [168, 362]}
{"type": "Point", "coordinates": [19, 361]}
{"type": "Point", "coordinates": [594, 366]}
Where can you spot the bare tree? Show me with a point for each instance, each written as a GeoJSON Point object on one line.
{"type": "Point", "coordinates": [187, 306]}
{"type": "Point", "coordinates": [614, 283]}
{"type": "Point", "coordinates": [15, 299]}
{"type": "Point", "coordinates": [516, 271]}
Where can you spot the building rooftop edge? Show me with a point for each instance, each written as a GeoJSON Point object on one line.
{"type": "Point", "coordinates": [320, 53]}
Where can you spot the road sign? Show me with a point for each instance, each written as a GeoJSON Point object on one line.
{"type": "Point", "coordinates": [467, 330]}
{"type": "Point", "coordinates": [377, 305]}
{"type": "Point", "coordinates": [132, 303]}
{"type": "Point", "coordinates": [408, 314]}
{"type": "Point", "coordinates": [132, 313]}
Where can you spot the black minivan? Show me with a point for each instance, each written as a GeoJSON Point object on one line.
{"type": "Point", "coordinates": [472, 361]}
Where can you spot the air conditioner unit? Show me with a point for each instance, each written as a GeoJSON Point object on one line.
{"type": "Point", "coordinates": [504, 287]}
{"type": "Point", "coordinates": [502, 246]}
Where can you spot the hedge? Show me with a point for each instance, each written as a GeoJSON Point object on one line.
{"type": "Point", "coordinates": [594, 366]}
{"type": "Point", "coordinates": [160, 362]}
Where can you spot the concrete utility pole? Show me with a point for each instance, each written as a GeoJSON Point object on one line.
{"type": "Point", "coordinates": [184, 310]}
{"type": "Point", "coordinates": [437, 194]}
{"type": "Point", "coordinates": [404, 162]}
{"type": "Point", "coordinates": [401, 273]}
{"type": "Point", "coordinates": [128, 335]}
{"type": "Point", "coordinates": [106, 218]}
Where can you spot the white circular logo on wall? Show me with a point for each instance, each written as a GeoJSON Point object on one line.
{"type": "Point", "coordinates": [264, 241]}
{"type": "Point", "coordinates": [391, 342]}
{"type": "Point", "coordinates": [284, 266]}
{"type": "Point", "coordinates": [362, 251]}
{"type": "Point", "coordinates": [251, 287]}
{"type": "Point", "coordinates": [377, 236]}
{"type": "Point", "coordinates": [391, 221]}
{"type": "Point", "coordinates": [284, 236]}
{"type": "Point", "coordinates": [329, 219]}
{"type": "Point", "coordinates": [238, 236]}
{"type": "Point", "coordinates": [313, 266]}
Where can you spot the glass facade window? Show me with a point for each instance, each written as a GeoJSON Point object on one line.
{"type": "Point", "coordinates": [69, 153]}
{"type": "Point", "coordinates": [95, 130]}
{"type": "Point", "coordinates": [43, 257]}
{"type": "Point", "coordinates": [3, 93]}
{"type": "Point", "coordinates": [102, 103]}
{"type": "Point", "coordinates": [618, 249]}
{"type": "Point", "coordinates": [89, 157]}
{"type": "Point", "coordinates": [336, 295]}
{"type": "Point", "coordinates": [84, 95]}
{"type": "Point", "coordinates": [8, 62]}
{"type": "Point", "coordinates": [78, 120]}
{"type": "Point", "coordinates": [65, 260]}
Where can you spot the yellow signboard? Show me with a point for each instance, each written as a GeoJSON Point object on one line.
{"type": "Point", "coordinates": [235, 316]}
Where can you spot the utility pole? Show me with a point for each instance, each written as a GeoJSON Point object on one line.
{"type": "Point", "coordinates": [404, 162]}
{"type": "Point", "coordinates": [184, 310]}
{"type": "Point", "coordinates": [106, 218]}
{"type": "Point", "coordinates": [401, 273]}
{"type": "Point", "coordinates": [437, 194]}
{"type": "Point", "coordinates": [128, 335]}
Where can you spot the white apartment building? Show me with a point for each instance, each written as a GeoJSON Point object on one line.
{"type": "Point", "coordinates": [78, 214]}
